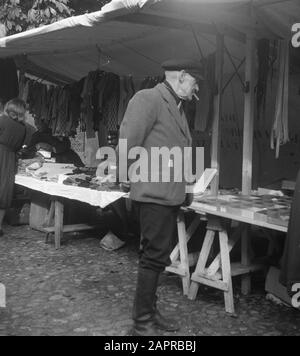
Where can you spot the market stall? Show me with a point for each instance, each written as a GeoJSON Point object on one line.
{"type": "Point", "coordinates": [62, 182]}
{"type": "Point", "coordinates": [58, 191]}
{"type": "Point", "coordinates": [132, 38]}
{"type": "Point", "coordinates": [269, 212]}
{"type": "Point", "coordinates": [246, 18]}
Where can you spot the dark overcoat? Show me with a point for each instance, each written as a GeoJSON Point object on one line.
{"type": "Point", "coordinates": [290, 272]}
{"type": "Point", "coordinates": [153, 120]}
{"type": "Point", "coordinates": [12, 136]}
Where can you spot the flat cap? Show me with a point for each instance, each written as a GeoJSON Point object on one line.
{"type": "Point", "coordinates": [194, 68]}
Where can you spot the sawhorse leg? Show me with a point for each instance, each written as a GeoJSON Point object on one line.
{"type": "Point", "coordinates": [50, 216]}
{"type": "Point", "coordinates": [59, 222]}
{"type": "Point", "coordinates": [246, 248]}
{"type": "Point", "coordinates": [210, 276]}
{"type": "Point", "coordinates": [49, 221]}
{"type": "Point", "coordinates": [179, 256]}
{"type": "Point", "coordinates": [226, 271]}
{"type": "Point", "coordinates": [57, 209]}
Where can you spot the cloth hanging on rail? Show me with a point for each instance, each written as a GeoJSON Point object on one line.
{"type": "Point", "coordinates": [23, 87]}
{"type": "Point", "coordinates": [150, 82]}
{"type": "Point", "coordinates": [100, 100]}
{"type": "Point", "coordinates": [280, 129]}
{"type": "Point", "coordinates": [126, 93]}
{"type": "Point", "coordinates": [95, 103]}
{"type": "Point", "coordinates": [54, 106]}
{"type": "Point", "coordinates": [204, 107]}
{"type": "Point", "coordinates": [75, 90]}
{"type": "Point", "coordinates": [108, 101]}
{"type": "Point", "coordinates": [87, 107]}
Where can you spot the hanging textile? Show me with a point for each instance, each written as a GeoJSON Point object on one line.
{"type": "Point", "coordinates": [106, 105]}
{"type": "Point", "coordinates": [280, 130]}
{"type": "Point", "coordinates": [189, 108]}
{"type": "Point", "coordinates": [264, 67]}
{"type": "Point", "coordinates": [150, 82]}
{"type": "Point", "coordinates": [96, 103]}
{"type": "Point", "coordinates": [204, 107]}
{"type": "Point", "coordinates": [75, 90]}
{"type": "Point", "coordinates": [87, 107]}
{"type": "Point", "coordinates": [109, 101]}
{"type": "Point", "coordinates": [54, 106]}
{"type": "Point", "coordinates": [23, 87]}
{"type": "Point", "coordinates": [126, 93]}
{"type": "Point", "coordinates": [100, 103]}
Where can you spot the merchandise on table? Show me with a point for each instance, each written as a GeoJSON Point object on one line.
{"type": "Point", "coordinates": [67, 174]}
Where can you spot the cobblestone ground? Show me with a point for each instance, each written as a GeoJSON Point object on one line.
{"type": "Point", "coordinates": [85, 290]}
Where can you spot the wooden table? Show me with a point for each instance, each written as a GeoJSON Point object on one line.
{"type": "Point", "coordinates": [265, 211]}
{"type": "Point", "coordinates": [59, 193]}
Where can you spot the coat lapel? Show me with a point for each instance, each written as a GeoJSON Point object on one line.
{"type": "Point", "coordinates": [174, 111]}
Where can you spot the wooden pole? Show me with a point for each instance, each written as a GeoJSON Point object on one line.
{"type": "Point", "coordinates": [248, 116]}
{"type": "Point", "coordinates": [248, 151]}
{"type": "Point", "coordinates": [216, 135]}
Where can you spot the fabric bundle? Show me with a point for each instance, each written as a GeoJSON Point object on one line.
{"type": "Point", "coordinates": [96, 103]}
{"type": "Point", "coordinates": [280, 129]}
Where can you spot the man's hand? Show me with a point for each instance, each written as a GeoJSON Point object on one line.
{"type": "Point", "coordinates": [125, 186]}
{"type": "Point", "coordinates": [189, 198]}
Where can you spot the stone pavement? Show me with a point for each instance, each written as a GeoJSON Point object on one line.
{"type": "Point", "coordinates": [85, 290]}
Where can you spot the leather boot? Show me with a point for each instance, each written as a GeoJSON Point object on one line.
{"type": "Point", "coordinates": [143, 328]}
{"type": "Point", "coordinates": [163, 323]}
{"type": "Point", "coordinates": [143, 313]}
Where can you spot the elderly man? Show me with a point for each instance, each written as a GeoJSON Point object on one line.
{"type": "Point", "coordinates": [155, 118]}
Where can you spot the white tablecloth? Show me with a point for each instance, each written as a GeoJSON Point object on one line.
{"type": "Point", "coordinates": [90, 196]}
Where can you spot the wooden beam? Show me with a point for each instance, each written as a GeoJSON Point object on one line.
{"type": "Point", "coordinates": [216, 135]}
{"type": "Point", "coordinates": [210, 283]}
{"type": "Point", "coordinates": [72, 228]}
{"type": "Point", "coordinates": [248, 150]}
{"type": "Point", "coordinates": [248, 116]}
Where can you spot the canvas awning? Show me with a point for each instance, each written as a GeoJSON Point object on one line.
{"type": "Point", "coordinates": [265, 18]}
{"type": "Point", "coordinates": [132, 37]}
